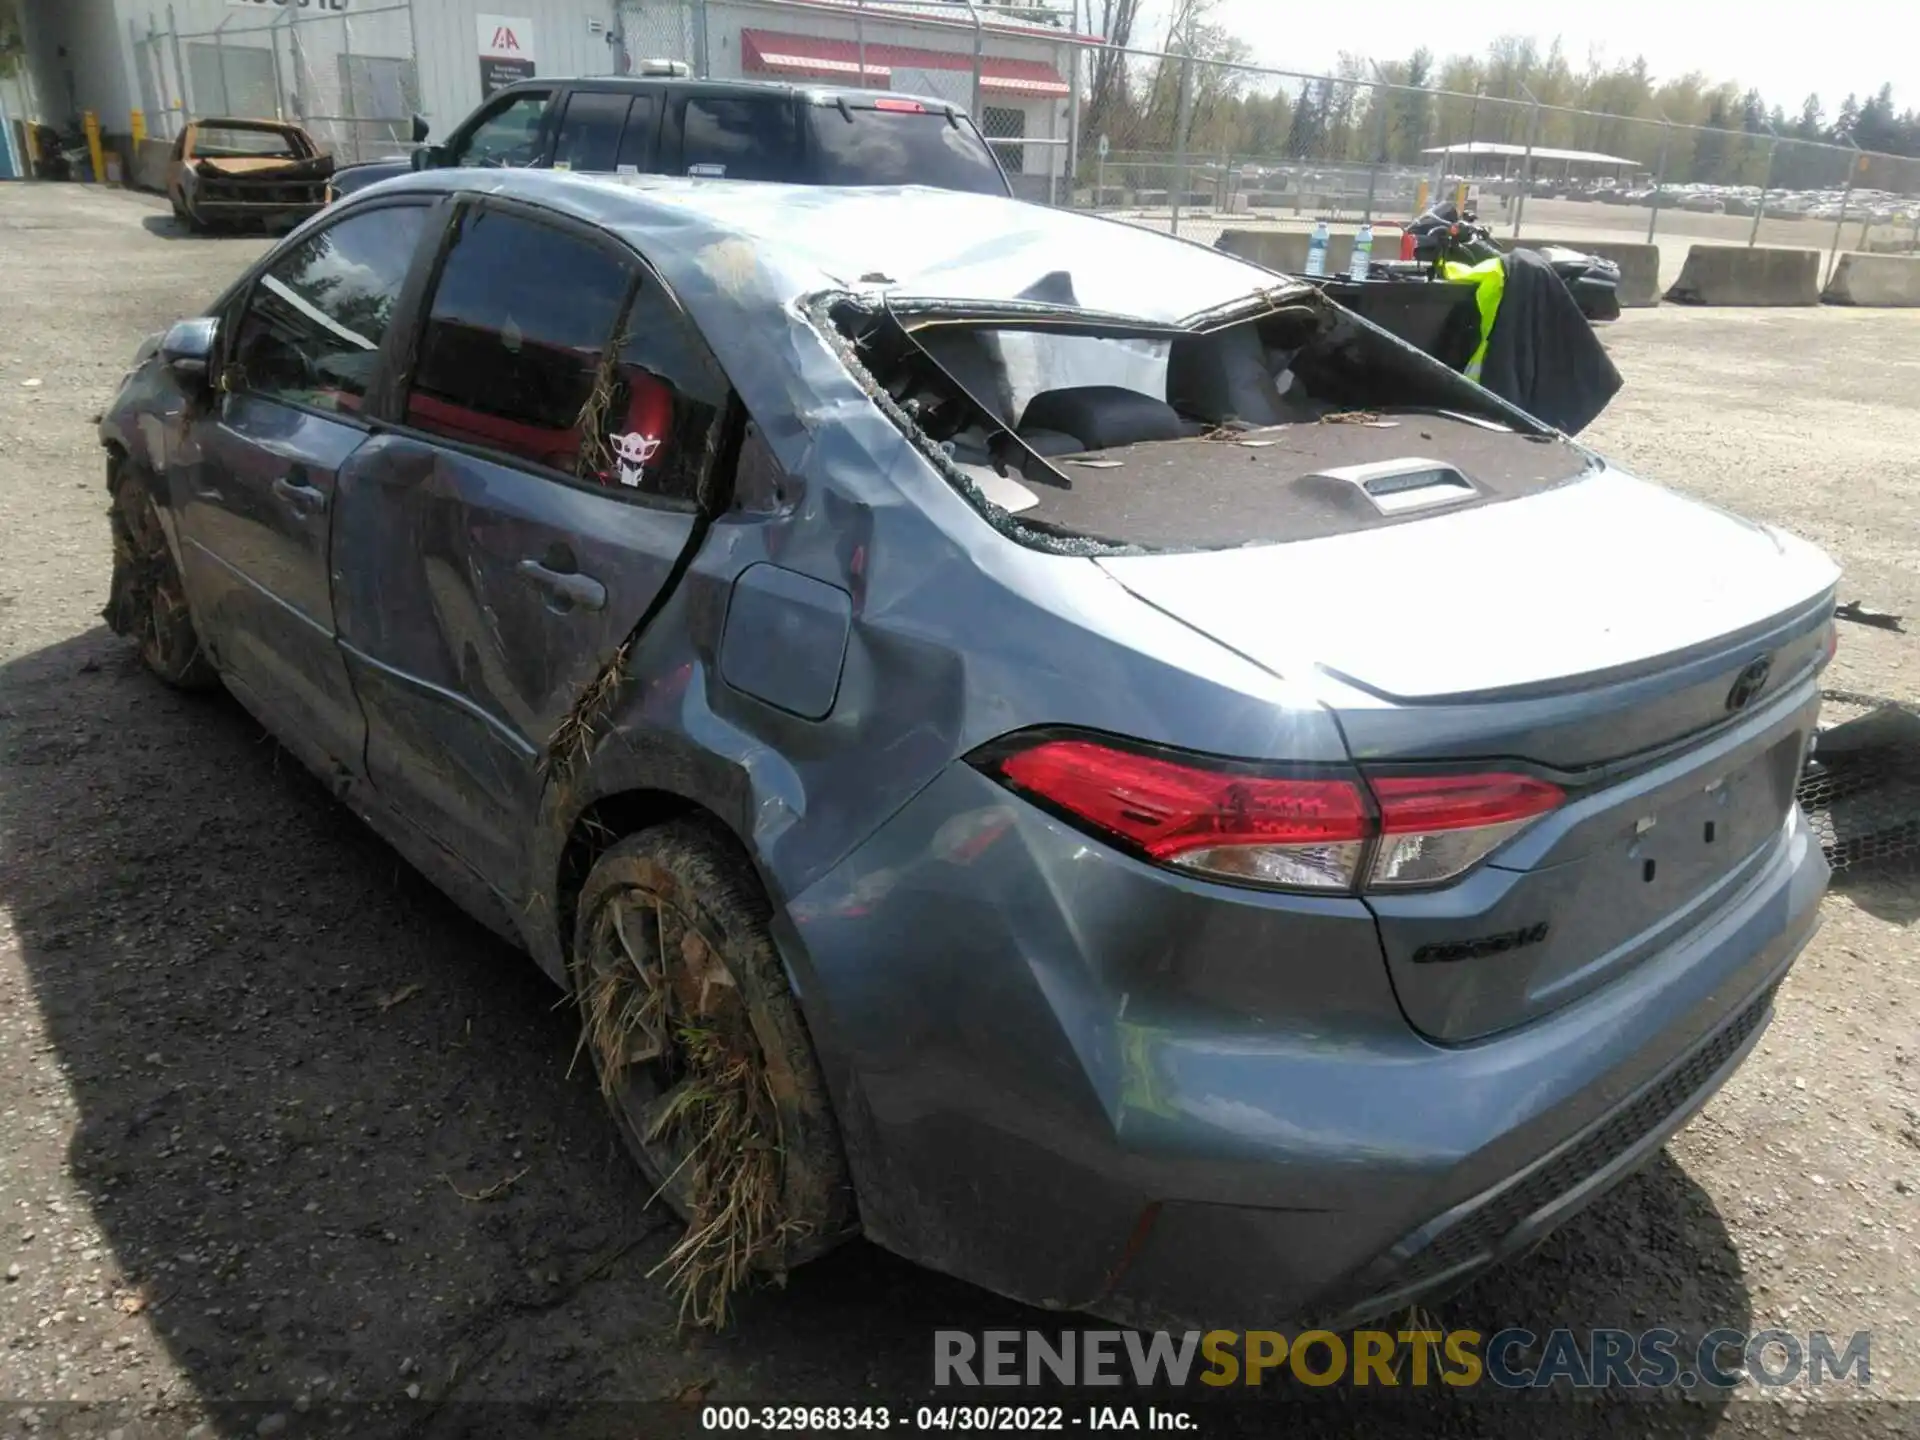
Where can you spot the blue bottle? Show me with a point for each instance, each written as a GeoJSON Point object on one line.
{"type": "Point", "coordinates": [1317, 250]}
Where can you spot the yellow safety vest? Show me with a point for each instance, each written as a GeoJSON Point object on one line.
{"type": "Point", "coordinates": [1489, 279]}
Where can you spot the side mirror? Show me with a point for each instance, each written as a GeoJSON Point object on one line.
{"type": "Point", "coordinates": [187, 352]}
{"type": "Point", "coordinates": [429, 157]}
{"type": "Point", "coordinates": [420, 128]}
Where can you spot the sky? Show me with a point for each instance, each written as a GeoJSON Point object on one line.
{"type": "Point", "coordinates": [1783, 50]}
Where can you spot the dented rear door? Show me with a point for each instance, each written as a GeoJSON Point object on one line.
{"type": "Point", "coordinates": [527, 511]}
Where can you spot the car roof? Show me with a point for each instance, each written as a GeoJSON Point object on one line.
{"type": "Point", "coordinates": [818, 94]}
{"type": "Point", "coordinates": [785, 242]}
{"type": "Point", "coordinates": [235, 122]}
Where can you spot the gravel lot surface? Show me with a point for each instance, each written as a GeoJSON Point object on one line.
{"type": "Point", "coordinates": [254, 1070]}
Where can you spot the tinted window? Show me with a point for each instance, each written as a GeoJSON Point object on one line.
{"type": "Point", "coordinates": [515, 336]}
{"type": "Point", "coordinates": [893, 147]}
{"type": "Point", "coordinates": [316, 318]}
{"type": "Point", "coordinates": [636, 149]}
{"type": "Point", "coordinates": [590, 133]}
{"type": "Point", "coordinates": [740, 137]}
{"type": "Point", "coordinates": [509, 136]}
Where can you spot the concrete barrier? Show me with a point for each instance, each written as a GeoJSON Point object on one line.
{"type": "Point", "coordinates": [149, 170]}
{"type": "Point", "coordinates": [1639, 264]}
{"type": "Point", "coordinates": [1286, 250]}
{"type": "Point", "coordinates": [1739, 275]}
{"type": "Point", "coordinates": [1874, 280]}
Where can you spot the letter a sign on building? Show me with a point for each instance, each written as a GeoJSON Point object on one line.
{"type": "Point", "coordinates": [506, 51]}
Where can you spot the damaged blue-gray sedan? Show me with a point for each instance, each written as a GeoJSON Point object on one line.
{"type": "Point", "coordinates": [1032, 741]}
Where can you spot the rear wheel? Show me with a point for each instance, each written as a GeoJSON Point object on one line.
{"type": "Point", "coordinates": [705, 1060]}
{"type": "Point", "coordinates": [147, 603]}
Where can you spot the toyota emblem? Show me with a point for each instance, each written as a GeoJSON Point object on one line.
{"type": "Point", "coordinates": [1749, 683]}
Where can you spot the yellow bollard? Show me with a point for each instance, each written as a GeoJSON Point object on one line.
{"type": "Point", "coordinates": [137, 126]}
{"type": "Point", "coordinates": [90, 122]}
{"type": "Point", "coordinates": [1420, 200]}
{"type": "Point", "coordinates": [1460, 197]}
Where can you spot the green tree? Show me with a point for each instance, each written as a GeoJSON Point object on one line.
{"type": "Point", "coordinates": [1412, 124]}
{"type": "Point", "coordinates": [1710, 145]}
{"type": "Point", "coordinates": [1811, 124]}
{"type": "Point", "coordinates": [1878, 128]}
{"type": "Point", "coordinates": [1307, 134]}
{"type": "Point", "coordinates": [1845, 122]}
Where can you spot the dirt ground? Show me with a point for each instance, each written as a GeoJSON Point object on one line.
{"type": "Point", "coordinates": [254, 1071]}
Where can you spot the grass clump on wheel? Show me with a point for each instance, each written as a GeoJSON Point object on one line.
{"type": "Point", "coordinates": [147, 602]}
{"type": "Point", "coordinates": [705, 1061]}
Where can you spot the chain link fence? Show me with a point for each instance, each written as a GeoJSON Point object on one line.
{"type": "Point", "coordinates": [1198, 146]}
{"type": "Point", "coordinates": [350, 78]}
{"type": "Point", "coordinates": [1190, 145]}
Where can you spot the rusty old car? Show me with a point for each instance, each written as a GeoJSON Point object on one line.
{"type": "Point", "coordinates": [227, 173]}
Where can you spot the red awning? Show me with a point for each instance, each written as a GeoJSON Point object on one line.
{"type": "Point", "coordinates": [771, 52]}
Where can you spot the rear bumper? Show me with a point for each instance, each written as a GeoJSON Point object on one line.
{"type": "Point", "coordinates": [1516, 1213]}
{"type": "Point", "coordinates": [1094, 1085]}
{"type": "Point", "coordinates": [213, 208]}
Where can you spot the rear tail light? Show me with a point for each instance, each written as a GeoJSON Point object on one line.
{"type": "Point", "coordinates": [1315, 832]}
{"type": "Point", "coordinates": [1434, 827]}
{"type": "Point", "coordinates": [1265, 829]}
{"type": "Point", "coordinates": [903, 107]}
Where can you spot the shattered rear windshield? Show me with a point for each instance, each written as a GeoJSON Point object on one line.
{"type": "Point", "coordinates": [1257, 432]}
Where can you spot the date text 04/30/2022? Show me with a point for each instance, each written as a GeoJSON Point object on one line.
{"type": "Point", "coordinates": [812, 1419]}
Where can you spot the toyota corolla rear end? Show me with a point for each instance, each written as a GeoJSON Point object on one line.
{"type": "Point", "coordinates": [1192, 1020]}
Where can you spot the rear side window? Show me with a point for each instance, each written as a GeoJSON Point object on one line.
{"type": "Point", "coordinates": [670, 395]}
{"type": "Point", "coordinates": [899, 147]}
{"type": "Point", "coordinates": [636, 147]}
{"type": "Point", "coordinates": [314, 323]}
{"type": "Point", "coordinates": [591, 131]}
{"type": "Point", "coordinates": [515, 335]}
{"type": "Point", "coordinates": [538, 347]}
{"type": "Point", "coordinates": [740, 137]}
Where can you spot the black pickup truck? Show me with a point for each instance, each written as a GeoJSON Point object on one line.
{"type": "Point", "coordinates": [667, 124]}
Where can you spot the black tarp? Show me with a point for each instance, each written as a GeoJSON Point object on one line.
{"type": "Point", "coordinates": [1543, 355]}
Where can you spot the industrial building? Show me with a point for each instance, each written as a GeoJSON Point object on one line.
{"type": "Point", "coordinates": [354, 71]}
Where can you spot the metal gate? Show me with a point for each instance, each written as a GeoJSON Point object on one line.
{"type": "Point", "coordinates": [349, 77]}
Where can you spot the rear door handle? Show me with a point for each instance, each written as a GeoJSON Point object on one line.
{"type": "Point", "coordinates": [301, 496]}
{"type": "Point", "coordinates": [582, 591]}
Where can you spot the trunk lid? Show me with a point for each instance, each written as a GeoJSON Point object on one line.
{"type": "Point", "coordinates": [1653, 656]}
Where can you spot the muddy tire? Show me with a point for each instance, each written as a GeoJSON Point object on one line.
{"type": "Point", "coordinates": [705, 1061]}
{"type": "Point", "coordinates": [147, 603]}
